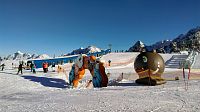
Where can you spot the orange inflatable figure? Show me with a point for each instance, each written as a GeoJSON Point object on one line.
{"type": "Point", "coordinates": [95, 67]}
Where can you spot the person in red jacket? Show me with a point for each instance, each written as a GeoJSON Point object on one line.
{"type": "Point", "coordinates": [45, 67]}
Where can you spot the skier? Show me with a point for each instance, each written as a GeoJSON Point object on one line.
{"type": "Point", "coordinates": [45, 67]}
{"type": "Point", "coordinates": [20, 68]}
{"type": "Point", "coordinates": [34, 67]}
{"type": "Point", "coordinates": [2, 66]}
{"type": "Point", "coordinates": [109, 61]}
{"type": "Point", "coordinates": [53, 67]}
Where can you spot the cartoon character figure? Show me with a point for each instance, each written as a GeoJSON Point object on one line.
{"type": "Point", "coordinates": [95, 67]}
{"type": "Point", "coordinates": [149, 66]}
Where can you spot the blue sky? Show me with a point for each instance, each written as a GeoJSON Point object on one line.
{"type": "Point", "coordinates": [59, 26]}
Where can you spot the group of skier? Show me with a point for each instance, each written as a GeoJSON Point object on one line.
{"type": "Point", "coordinates": [21, 67]}
{"type": "Point", "coordinates": [32, 66]}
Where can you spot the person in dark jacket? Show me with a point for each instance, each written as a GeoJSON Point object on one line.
{"type": "Point", "coordinates": [109, 61]}
{"type": "Point", "coordinates": [20, 68]}
{"type": "Point", "coordinates": [2, 66]}
{"type": "Point", "coordinates": [33, 68]}
{"type": "Point", "coordinates": [32, 65]}
{"type": "Point", "coordinates": [53, 66]}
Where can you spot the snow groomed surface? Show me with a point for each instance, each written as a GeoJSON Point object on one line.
{"type": "Point", "coordinates": [50, 91]}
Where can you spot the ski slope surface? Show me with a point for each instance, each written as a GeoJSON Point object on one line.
{"type": "Point", "coordinates": [50, 91]}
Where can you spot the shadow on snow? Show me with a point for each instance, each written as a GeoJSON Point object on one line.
{"type": "Point", "coordinates": [117, 83]}
{"type": "Point", "coordinates": [60, 83]}
{"type": "Point", "coordinates": [48, 82]}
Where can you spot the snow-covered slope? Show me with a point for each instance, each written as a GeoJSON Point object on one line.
{"type": "Point", "coordinates": [197, 62]}
{"type": "Point", "coordinates": [124, 62]}
{"type": "Point", "coordinates": [50, 92]}
{"type": "Point", "coordinates": [118, 59]}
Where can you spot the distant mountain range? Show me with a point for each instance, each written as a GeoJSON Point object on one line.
{"type": "Point", "coordinates": [24, 56]}
{"type": "Point", "coordinates": [184, 42]}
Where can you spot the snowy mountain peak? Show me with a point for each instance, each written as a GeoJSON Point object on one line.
{"type": "Point", "coordinates": [43, 56]}
{"type": "Point", "coordinates": [19, 52]}
{"type": "Point", "coordinates": [93, 49]}
{"type": "Point", "coordinates": [138, 46]}
{"type": "Point", "coordinates": [141, 43]}
{"type": "Point", "coordinates": [89, 49]}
